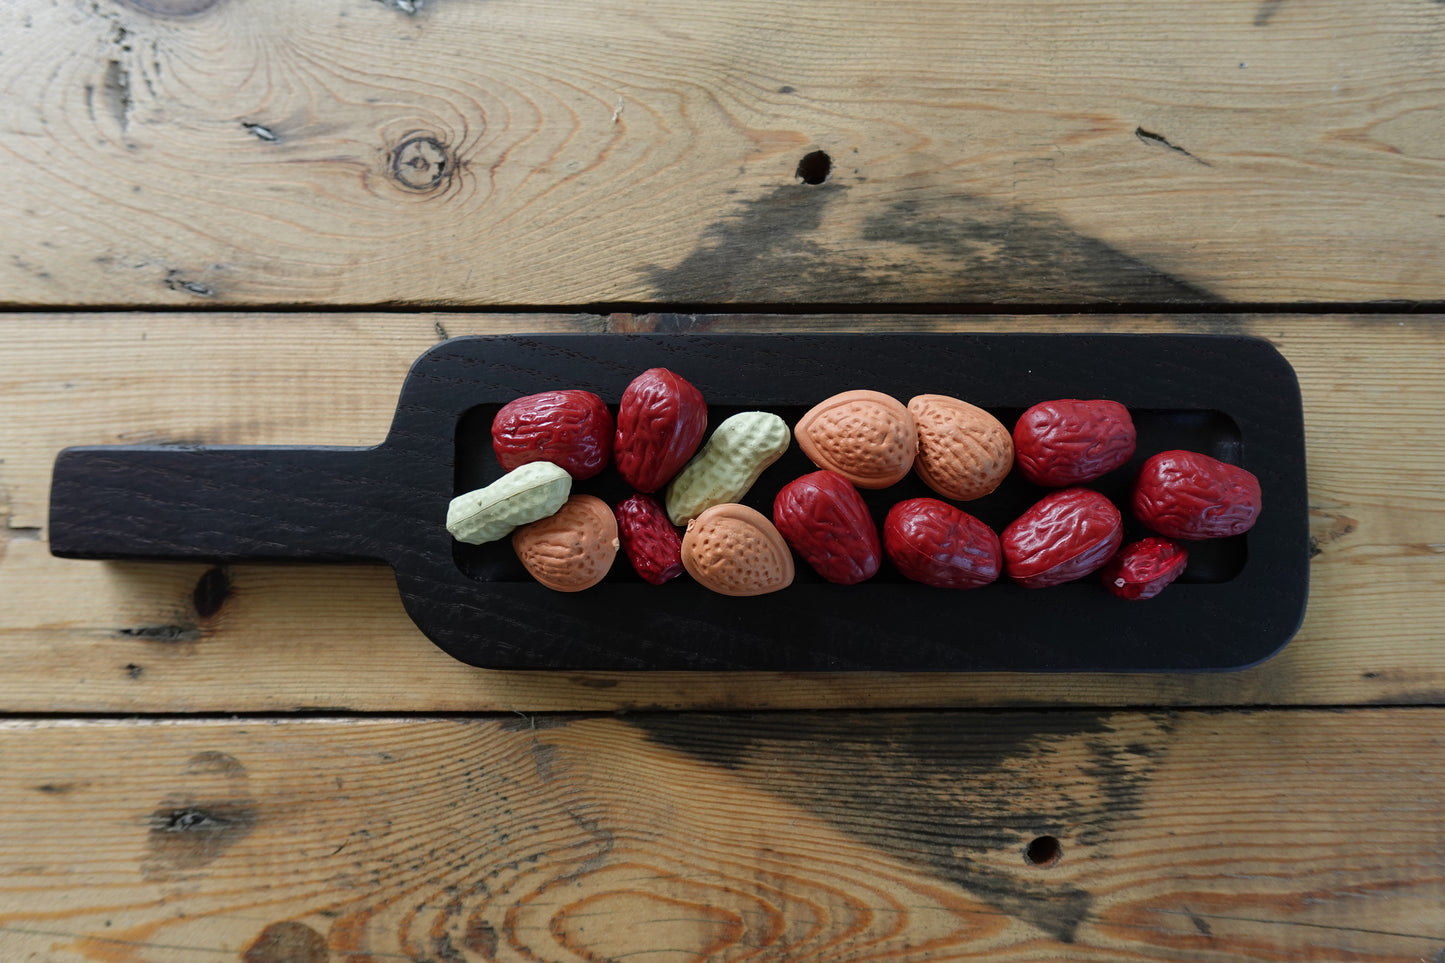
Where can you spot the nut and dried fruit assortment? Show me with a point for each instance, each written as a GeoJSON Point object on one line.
{"type": "Point", "coordinates": [686, 511]}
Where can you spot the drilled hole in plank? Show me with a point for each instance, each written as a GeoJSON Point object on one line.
{"type": "Point", "coordinates": [1043, 851]}
{"type": "Point", "coordinates": [814, 168]}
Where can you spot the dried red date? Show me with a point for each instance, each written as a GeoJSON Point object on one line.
{"type": "Point", "coordinates": [660, 425]}
{"type": "Point", "coordinates": [572, 429]}
{"type": "Point", "coordinates": [932, 542]}
{"type": "Point", "coordinates": [823, 518]}
{"type": "Point", "coordinates": [1188, 495]}
{"type": "Point", "coordinates": [1063, 537]}
{"type": "Point", "coordinates": [649, 540]}
{"type": "Point", "coordinates": [1142, 569]}
{"type": "Point", "coordinates": [1068, 442]}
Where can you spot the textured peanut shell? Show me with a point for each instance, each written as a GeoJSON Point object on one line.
{"type": "Point", "coordinates": [866, 436]}
{"type": "Point", "coordinates": [735, 550]}
{"type": "Point", "coordinates": [573, 549]}
{"type": "Point", "coordinates": [740, 449]}
{"type": "Point", "coordinates": [963, 451]}
{"type": "Point", "coordinates": [522, 495]}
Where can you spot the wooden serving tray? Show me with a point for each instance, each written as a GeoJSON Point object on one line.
{"type": "Point", "coordinates": [1235, 398]}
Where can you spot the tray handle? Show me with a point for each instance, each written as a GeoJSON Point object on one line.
{"type": "Point", "coordinates": [215, 503]}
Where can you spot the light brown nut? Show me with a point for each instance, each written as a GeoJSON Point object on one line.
{"type": "Point", "coordinates": [735, 550]}
{"type": "Point", "coordinates": [963, 451]}
{"type": "Point", "coordinates": [573, 549]}
{"type": "Point", "coordinates": [866, 436]}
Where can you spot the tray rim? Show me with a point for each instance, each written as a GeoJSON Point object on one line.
{"type": "Point", "coordinates": [469, 344]}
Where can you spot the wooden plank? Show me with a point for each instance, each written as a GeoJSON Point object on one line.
{"type": "Point", "coordinates": [271, 152]}
{"type": "Point", "coordinates": [902, 837]}
{"type": "Point", "coordinates": [88, 636]}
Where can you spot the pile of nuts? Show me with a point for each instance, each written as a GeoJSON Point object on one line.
{"type": "Point", "coordinates": [858, 440]}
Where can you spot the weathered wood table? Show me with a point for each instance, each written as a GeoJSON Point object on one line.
{"type": "Point", "coordinates": [239, 221]}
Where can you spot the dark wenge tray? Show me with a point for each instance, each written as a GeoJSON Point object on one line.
{"type": "Point", "coordinates": [1240, 600]}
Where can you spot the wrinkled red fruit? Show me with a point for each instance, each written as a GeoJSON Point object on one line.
{"type": "Point", "coordinates": [660, 425]}
{"type": "Point", "coordinates": [649, 540]}
{"type": "Point", "coordinates": [572, 429]}
{"type": "Point", "coordinates": [932, 542]}
{"type": "Point", "coordinates": [823, 518]}
{"type": "Point", "coordinates": [1188, 495]}
{"type": "Point", "coordinates": [1063, 537]}
{"type": "Point", "coordinates": [1142, 569]}
{"type": "Point", "coordinates": [1068, 442]}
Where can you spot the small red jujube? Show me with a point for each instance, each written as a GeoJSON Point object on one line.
{"type": "Point", "coordinates": [1191, 496]}
{"type": "Point", "coordinates": [1143, 569]}
{"type": "Point", "coordinates": [661, 422]}
{"type": "Point", "coordinates": [1069, 442]}
{"type": "Point", "coordinates": [571, 428]}
{"type": "Point", "coordinates": [1064, 536]}
{"type": "Point", "coordinates": [824, 519]}
{"type": "Point", "coordinates": [648, 538]}
{"type": "Point", "coordinates": [932, 542]}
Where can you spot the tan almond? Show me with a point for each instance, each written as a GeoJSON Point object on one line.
{"type": "Point", "coordinates": [735, 550]}
{"type": "Point", "coordinates": [868, 437]}
{"type": "Point", "coordinates": [573, 549]}
{"type": "Point", "coordinates": [963, 451]}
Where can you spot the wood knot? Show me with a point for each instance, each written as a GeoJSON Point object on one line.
{"type": "Point", "coordinates": [287, 942]}
{"type": "Point", "coordinates": [422, 163]}
{"type": "Point", "coordinates": [172, 9]}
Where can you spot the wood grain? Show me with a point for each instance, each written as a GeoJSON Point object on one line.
{"type": "Point", "coordinates": [95, 637]}
{"type": "Point", "coordinates": [199, 152]}
{"type": "Point", "coordinates": [1285, 835]}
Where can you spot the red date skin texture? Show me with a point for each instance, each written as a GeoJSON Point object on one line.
{"type": "Point", "coordinates": [1191, 496]}
{"type": "Point", "coordinates": [824, 519]}
{"type": "Point", "coordinates": [1066, 535]}
{"type": "Point", "coordinates": [660, 425]}
{"type": "Point", "coordinates": [649, 540]}
{"type": "Point", "coordinates": [1067, 442]}
{"type": "Point", "coordinates": [1143, 569]}
{"type": "Point", "coordinates": [572, 429]}
{"type": "Point", "coordinates": [932, 542]}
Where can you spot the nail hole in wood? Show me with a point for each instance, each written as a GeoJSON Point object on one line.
{"type": "Point", "coordinates": [1043, 851]}
{"type": "Point", "coordinates": [814, 168]}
